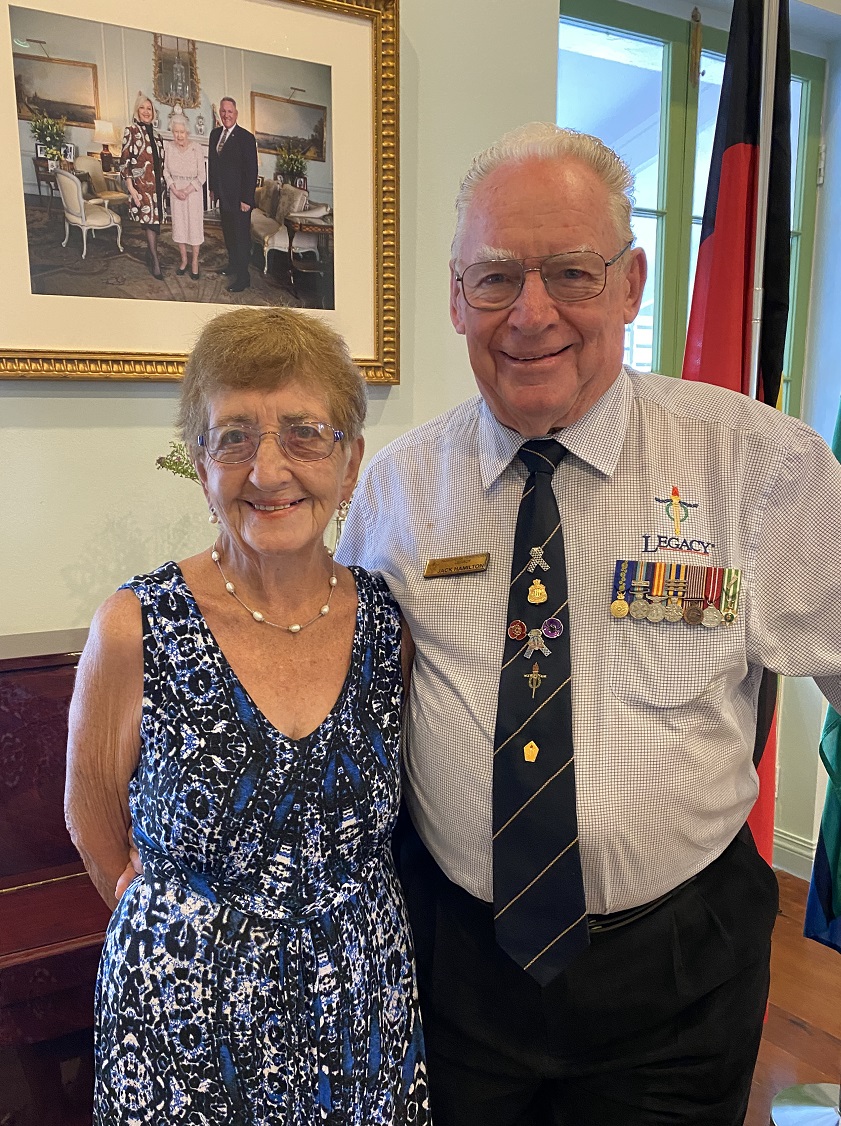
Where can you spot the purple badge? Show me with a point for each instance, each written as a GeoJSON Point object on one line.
{"type": "Point", "coordinates": [552, 627]}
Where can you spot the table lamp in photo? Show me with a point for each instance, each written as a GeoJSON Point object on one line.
{"type": "Point", "coordinates": [105, 135]}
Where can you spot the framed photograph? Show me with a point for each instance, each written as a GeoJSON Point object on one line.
{"type": "Point", "coordinates": [279, 50]}
{"type": "Point", "coordinates": [56, 87]}
{"type": "Point", "coordinates": [40, 150]}
{"type": "Point", "coordinates": [68, 152]}
{"type": "Point", "coordinates": [280, 123]}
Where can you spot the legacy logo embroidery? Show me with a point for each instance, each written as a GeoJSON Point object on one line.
{"type": "Point", "coordinates": [677, 509]}
{"type": "Point", "coordinates": [677, 512]}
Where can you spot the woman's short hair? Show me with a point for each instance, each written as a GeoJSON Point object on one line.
{"type": "Point", "coordinates": [544, 141]}
{"type": "Point", "coordinates": [179, 119]}
{"type": "Point", "coordinates": [265, 349]}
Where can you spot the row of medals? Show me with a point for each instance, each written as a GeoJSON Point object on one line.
{"type": "Point", "coordinates": [673, 605]}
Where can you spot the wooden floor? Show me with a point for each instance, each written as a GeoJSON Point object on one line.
{"type": "Point", "coordinates": [802, 1039]}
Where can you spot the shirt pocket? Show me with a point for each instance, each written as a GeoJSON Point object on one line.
{"type": "Point", "coordinates": [670, 664]}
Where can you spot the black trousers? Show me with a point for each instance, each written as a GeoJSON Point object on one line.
{"type": "Point", "coordinates": [657, 1023]}
{"type": "Point", "coordinates": [236, 229]}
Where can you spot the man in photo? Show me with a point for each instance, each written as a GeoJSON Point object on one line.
{"type": "Point", "coordinates": [233, 179]}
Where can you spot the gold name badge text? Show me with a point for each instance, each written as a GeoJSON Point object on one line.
{"type": "Point", "coordinates": [457, 565]}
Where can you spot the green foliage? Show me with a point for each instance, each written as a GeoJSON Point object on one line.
{"type": "Point", "coordinates": [178, 461]}
{"type": "Point", "coordinates": [49, 131]}
{"type": "Point", "coordinates": [289, 162]}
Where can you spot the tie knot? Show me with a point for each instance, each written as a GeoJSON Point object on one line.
{"type": "Point", "coordinates": [542, 456]}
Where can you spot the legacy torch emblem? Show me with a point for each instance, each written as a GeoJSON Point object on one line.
{"type": "Point", "coordinates": [677, 509]}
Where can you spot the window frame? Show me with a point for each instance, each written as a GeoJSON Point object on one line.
{"type": "Point", "coordinates": [678, 127]}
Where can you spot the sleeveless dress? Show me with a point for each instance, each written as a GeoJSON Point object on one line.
{"type": "Point", "coordinates": [260, 971]}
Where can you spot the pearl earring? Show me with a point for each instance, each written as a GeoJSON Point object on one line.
{"type": "Point", "coordinates": [341, 516]}
{"type": "Point", "coordinates": [213, 518]}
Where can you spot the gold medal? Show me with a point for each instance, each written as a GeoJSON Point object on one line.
{"type": "Point", "coordinates": [531, 751]}
{"type": "Point", "coordinates": [537, 592]}
{"type": "Point", "coordinates": [619, 608]}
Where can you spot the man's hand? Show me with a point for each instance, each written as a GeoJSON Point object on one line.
{"type": "Point", "coordinates": [133, 869]}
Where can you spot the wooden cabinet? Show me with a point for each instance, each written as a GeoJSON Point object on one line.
{"type": "Point", "coordinates": [52, 922]}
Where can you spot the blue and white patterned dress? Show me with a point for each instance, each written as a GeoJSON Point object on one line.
{"type": "Point", "coordinates": [261, 969]}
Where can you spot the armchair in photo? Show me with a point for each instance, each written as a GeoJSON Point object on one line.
{"type": "Point", "coordinates": [274, 204]}
{"type": "Point", "coordinates": [86, 214]}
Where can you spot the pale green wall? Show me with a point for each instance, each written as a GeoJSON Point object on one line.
{"type": "Point", "coordinates": [82, 506]}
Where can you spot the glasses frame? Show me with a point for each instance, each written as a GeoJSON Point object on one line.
{"type": "Point", "coordinates": [338, 435]}
{"type": "Point", "coordinates": [521, 262]}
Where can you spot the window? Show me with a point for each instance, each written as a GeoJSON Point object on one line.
{"type": "Point", "coordinates": [623, 74]}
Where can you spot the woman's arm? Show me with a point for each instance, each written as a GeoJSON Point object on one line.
{"type": "Point", "coordinates": [167, 173]}
{"type": "Point", "coordinates": [128, 162]}
{"type": "Point", "coordinates": [104, 740]}
{"type": "Point", "coordinates": [201, 171]}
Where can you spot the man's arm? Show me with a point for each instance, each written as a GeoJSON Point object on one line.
{"type": "Point", "coordinates": [249, 170]}
{"type": "Point", "coordinates": [793, 608]}
{"type": "Point", "coordinates": [831, 688]}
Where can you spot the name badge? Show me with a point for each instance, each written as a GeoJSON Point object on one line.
{"type": "Point", "coordinates": [457, 565]}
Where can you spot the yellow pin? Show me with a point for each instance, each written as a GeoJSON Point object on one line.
{"type": "Point", "coordinates": [530, 751]}
{"type": "Point", "coordinates": [537, 592]}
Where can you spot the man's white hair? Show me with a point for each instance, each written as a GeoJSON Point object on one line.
{"type": "Point", "coordinates": [543, 141]}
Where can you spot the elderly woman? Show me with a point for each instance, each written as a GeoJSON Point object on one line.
{"type": "Point", "coordinates": [142, 164]}
{"type": "Point", "coordinates": [185, 174]}
{"type": "Point", "coordinates": [242, 710]}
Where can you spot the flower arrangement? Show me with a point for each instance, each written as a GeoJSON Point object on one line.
{"type": "Point", "coordinates": [290, 163]}
{"type": "Point", "coordinates": [178, 461]}
{"type": "Point", "coordinates": [49, 131]}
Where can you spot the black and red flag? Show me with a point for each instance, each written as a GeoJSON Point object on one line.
{"type": "Point", "coordinates": [718, 344]}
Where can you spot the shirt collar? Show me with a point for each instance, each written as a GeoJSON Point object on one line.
{"type": "Point", "coordinates": [596, 439]}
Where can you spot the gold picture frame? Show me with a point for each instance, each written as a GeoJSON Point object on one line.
{"type": "Point", "coordinates": [48, 336]}
{"type": "Point", "coordinates": [49, 85]}
{"type": "Point", "coordinates": [271, 116]}
{"type": "Point", "coordinates": [175, 82]}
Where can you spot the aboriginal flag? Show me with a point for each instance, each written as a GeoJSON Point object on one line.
{"type": "Point", "coordinates": [823, 908]}
{"type": "Point", "coordinates": [718, 344]}
{"type": "Point", "coordinates": [718, 337]}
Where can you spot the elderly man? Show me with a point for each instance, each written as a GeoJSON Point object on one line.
{"type": "Point", "coordinates": [590, 559]}
{"type": "Point", "coordinates": [232, 176]}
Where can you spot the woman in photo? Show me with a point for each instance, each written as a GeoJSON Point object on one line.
{"type": "Point", "coordinates": [184, 172]}
{"type": "Point", "coordinates": [142, 165]}
{"type": "Point", "coordinates": [241, 710]}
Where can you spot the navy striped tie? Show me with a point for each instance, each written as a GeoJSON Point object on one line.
{"type": "Point", "coordinates": [539, 913]}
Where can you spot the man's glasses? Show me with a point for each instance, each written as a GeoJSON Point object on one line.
{"type": "Point", "coordinates": [234, 444]}
{"type": "Point", "coordinates": [577, 276]}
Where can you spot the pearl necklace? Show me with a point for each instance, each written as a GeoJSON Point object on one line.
{"type": "Point", "coordinates": [258, 617]}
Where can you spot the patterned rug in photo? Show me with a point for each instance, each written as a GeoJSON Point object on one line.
{"type": "Point", "coordinates": [104, 272]}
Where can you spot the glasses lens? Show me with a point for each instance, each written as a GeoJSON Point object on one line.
{"type": "Point", "coordinates": [231, 444]}
{"type": "Point", "coordinates": [308, 441]}
{"type": "Point", "coordinates": [574, 277]}
{"type": "Point", "coordinates": [492, 285]}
